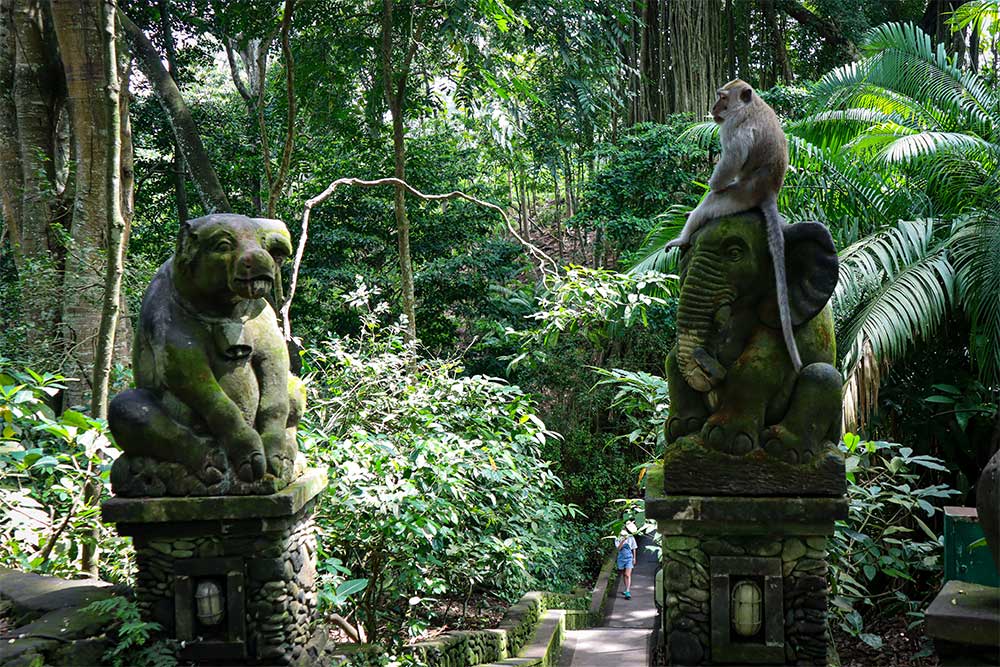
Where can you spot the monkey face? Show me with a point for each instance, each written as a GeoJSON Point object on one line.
{"type": "Point", "coordinates": [732, 97]}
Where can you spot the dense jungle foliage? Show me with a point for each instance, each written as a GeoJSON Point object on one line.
{"type": "Point", "coordinates": [486, 388]}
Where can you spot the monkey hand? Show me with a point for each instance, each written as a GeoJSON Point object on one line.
{"type": "Point", "coordinates": [720, 184]}
{"type": "Point", "coordinates": [679, 242]}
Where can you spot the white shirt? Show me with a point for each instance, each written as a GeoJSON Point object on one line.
{"type": "Point", "coordinates": [626, 542]}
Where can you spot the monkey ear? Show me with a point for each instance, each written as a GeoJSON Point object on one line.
{"type": "Point", "coordinates": [746, 95]}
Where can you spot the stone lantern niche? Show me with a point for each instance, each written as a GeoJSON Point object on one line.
{"type": "Point", "coordinates": [752, 478]}
{"type": "Point", "coordinates": [210, 486]}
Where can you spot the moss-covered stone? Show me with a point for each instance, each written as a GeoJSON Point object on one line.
{"type": "Point", "coordinates": [212, 508]}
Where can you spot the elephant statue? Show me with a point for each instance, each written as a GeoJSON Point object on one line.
{"type": "Point", "coordinates": [214, 410]}
{"type": "Point", "coordinates": [735, 396]}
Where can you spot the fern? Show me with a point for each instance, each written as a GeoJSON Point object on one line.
{"type": "Point", "coordinates": [132, 647]}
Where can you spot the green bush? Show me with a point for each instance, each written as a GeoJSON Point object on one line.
{"type": "Point", "coordinates": [884, 554]}
{"type": "Point", "coordinates": [640, 176]}
{"type": "Point", "coordinates": [437, 488]}
{"type": "Point", "coordinates": [46, 461]}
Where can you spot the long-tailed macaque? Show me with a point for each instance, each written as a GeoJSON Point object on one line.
{"type": "Point", "coordinates": [748, 175]}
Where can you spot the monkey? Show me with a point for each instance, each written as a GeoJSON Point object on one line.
{"type": "Point", "coordinates": [749, 175]}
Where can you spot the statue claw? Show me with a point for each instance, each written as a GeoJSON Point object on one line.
{"type": "Point", "coordinates": [252, 468]}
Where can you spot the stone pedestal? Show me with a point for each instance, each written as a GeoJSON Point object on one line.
{"type": "Point", "coordinates": [964, 620]}
{"type": "Point", "coordinates": [712, 545]}
{"type": "Point", "coordinates": [232, 577]}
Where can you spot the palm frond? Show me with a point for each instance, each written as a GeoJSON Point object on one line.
{"type": "Point", "coordinates": [839, 181]}
{"type": "Point", "coordinates": [885, 254]}
{"type": "Point", "coordinates": [975, 252]}
{"type": "Point", "coordinates": [832, 129]}
{"type": "Point", "coordinates": [916, 293]}
{"type": "Point", "coordinates": [653, 255]}
{"type": "Point", "coordinates": [705, 133]}
{"type": "Point", "coordinates": [905, 59]}
{"type": "Point", "coordinates": [911, 147]}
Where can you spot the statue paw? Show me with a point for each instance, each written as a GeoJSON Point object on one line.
{"type": "Point", "coordinates": [786, 446]}
{"type": "Point", "coordinates": [281, 464]}
{"type": "Point", "coordinates": [213, 469]}
{"type": "Point", "coordinates": [251, 468]}
{"type": "Point", "coordinates": [729, 438]}
{"type": "Point", "coordinates": [678, 427]}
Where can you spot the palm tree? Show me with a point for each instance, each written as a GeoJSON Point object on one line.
{"type": "Point", "coordinates": [923, 139]}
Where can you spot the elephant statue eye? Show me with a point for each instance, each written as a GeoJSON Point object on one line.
{"type": "Point", "coordinates": [225, 245]}
{"type": "Point", "coordinates": [734, 253]}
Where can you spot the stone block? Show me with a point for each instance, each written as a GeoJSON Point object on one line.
{"type": "Point", "coordinates": [965, 613]}
{"type": "Point", "coordinates": [34, 594]}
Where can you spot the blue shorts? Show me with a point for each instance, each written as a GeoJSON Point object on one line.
{"type": "Point", "coordinates": [625, 559]}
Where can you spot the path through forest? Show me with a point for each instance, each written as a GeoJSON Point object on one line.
{"type": "Point", "coordinates": [623, 639]}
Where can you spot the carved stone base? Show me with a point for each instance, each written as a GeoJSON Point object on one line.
{"type": "Point", "coordinates": [250, 559]}
{"type": "Point", "coordinates": [689, 468]}
{"type": "Point", "coordinates": [144, 477]}
{"type": "Point", "coordinates": [712, 545]}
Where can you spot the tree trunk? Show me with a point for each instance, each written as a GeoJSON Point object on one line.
{"type": "Point", "coordinates": [778, 68]}
{"type": "Point", "coordinates": [277, 185]}
{"type": "Point", "coordinates": [395, 96]}
{"type": "Point", "coordinates": [78, 29]}
{"type": "Point", "coordinates": [34, 181]}
{"type": "Point", "coordinates": [730, 39]}
{"type": "Point", "coordinates": [403, 223]}
{"type": "Point", "coordinates": [10, 160]}
{"type": "Point", "coordinates": [86, 33]}
{"type": "Point", "coordinates": [180, 169]}
{"type": "Point", "coordinates": [206, 182]}
{"type": "Point", "coordinates": [697, 54]}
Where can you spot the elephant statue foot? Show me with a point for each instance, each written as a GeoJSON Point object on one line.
{"type": "Point", "coordinates": [680, 426]}
{"type": "Point", "coordinates": [734, 436]}
{"type": "Point", "coordinates": [802, 436]}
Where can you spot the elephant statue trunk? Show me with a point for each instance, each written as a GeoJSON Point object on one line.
{"type": "Point", "coordinates": [700, 301]}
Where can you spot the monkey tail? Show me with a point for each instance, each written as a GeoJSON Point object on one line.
{"type": "Point", "coordinates": [776, 244]}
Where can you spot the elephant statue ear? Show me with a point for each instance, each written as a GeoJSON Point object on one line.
{"type": "Point", "coordinates": [811, 269]}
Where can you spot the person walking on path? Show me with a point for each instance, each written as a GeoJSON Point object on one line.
{"type": "Point", "coordinates": [626, 546]}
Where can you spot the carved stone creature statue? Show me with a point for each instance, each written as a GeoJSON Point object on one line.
{"type": "Point", "coordinates": [734, 392]}
{"type": "Point", "coordinates": [214, 409]}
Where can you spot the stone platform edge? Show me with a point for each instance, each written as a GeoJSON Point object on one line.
{"type": "Point", "coordinates": [284, 503]}
{"type": "Point", "coordinates": [774, 511]}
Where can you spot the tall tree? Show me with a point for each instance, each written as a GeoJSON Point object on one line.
{"type": "Point", "coordinates": [395, 74]}
{"type": "Point", "coordinates": [697, 54]}
{"type": "Point", "coordinates": [59, 102]}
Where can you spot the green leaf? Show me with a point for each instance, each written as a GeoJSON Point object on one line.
{"type": "Point", "coordinates": [349, 588]}
{"type": "Point", "coordinates": [46, 462]}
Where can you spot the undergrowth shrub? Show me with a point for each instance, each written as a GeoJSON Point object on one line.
{"type": "Point", "coordinates": [46, 460]}
{"type": "Point", "coordinates": [132, 642]}
{"type": "Point", "coordinates": [885, 558]}
{"type": "Point", "coordinates": [437, 490]}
